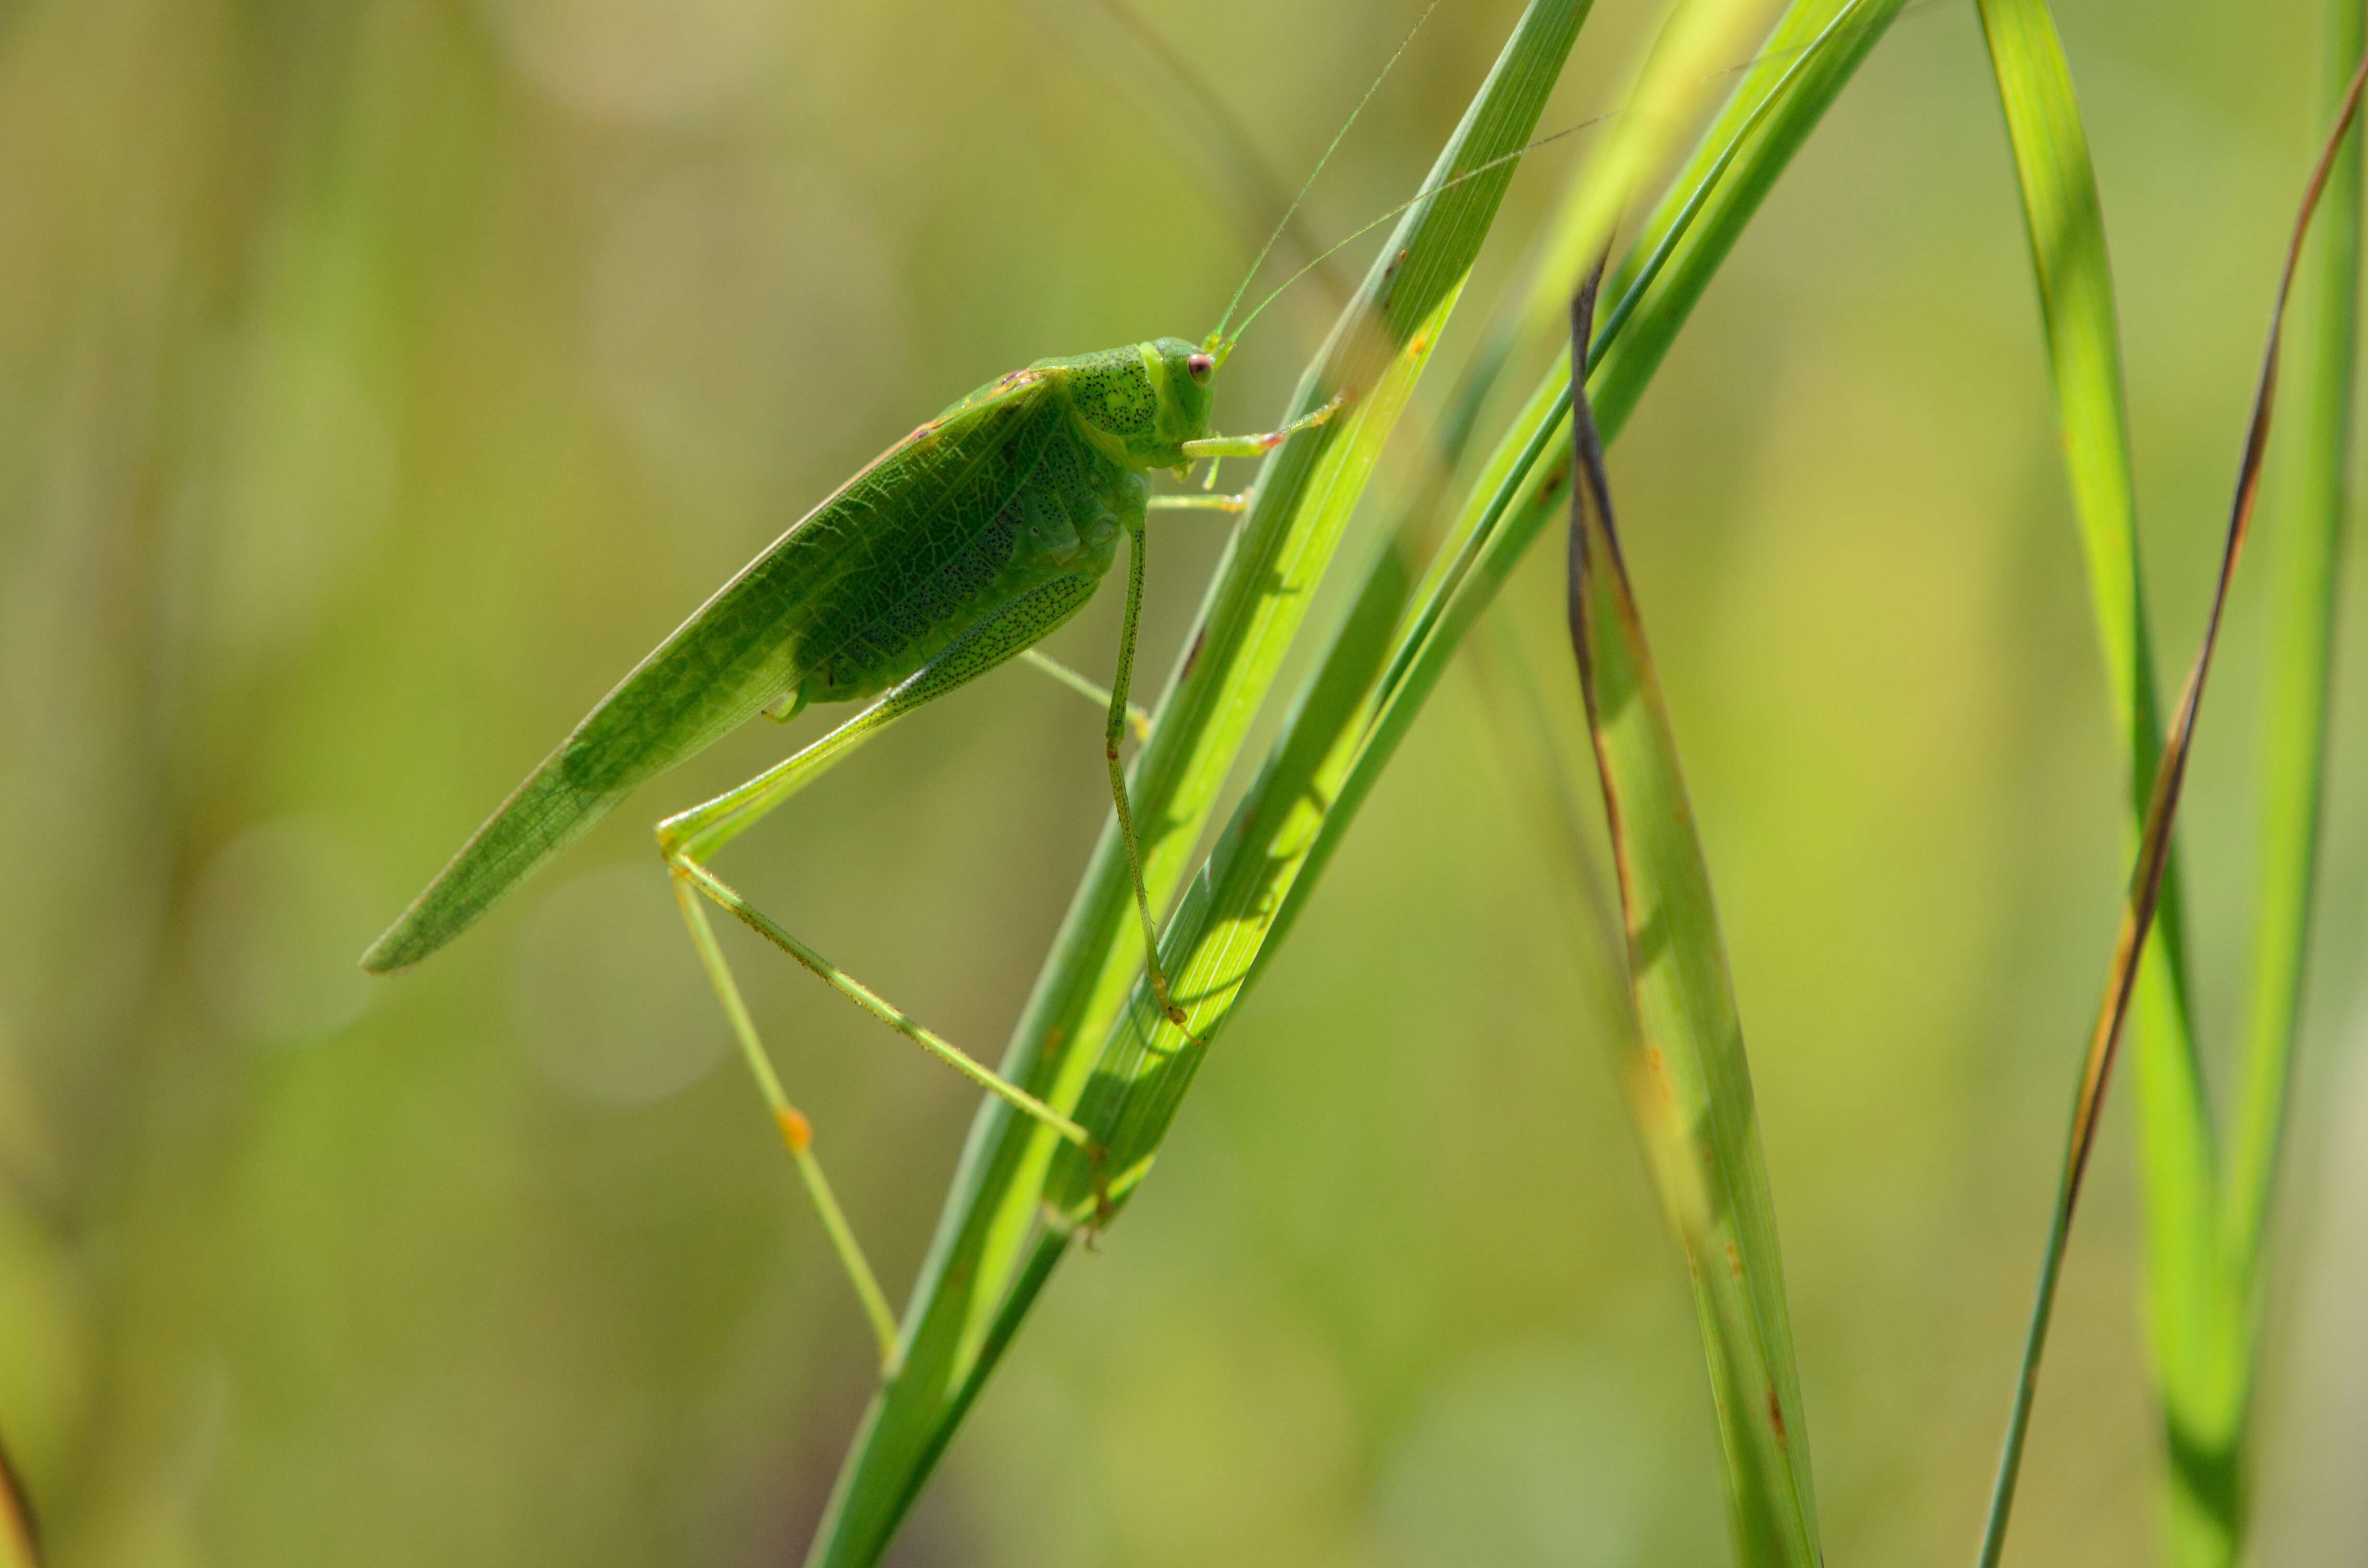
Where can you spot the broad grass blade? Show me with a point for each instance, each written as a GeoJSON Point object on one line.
{"type": "Point", "coordinates": [1690, 1085]}
{"type": "Point", "coordinates": [2207, 1508]}
{"type": "Point", "coordinates": [2177, 1151]}
{"type": "Point", "coordinates": [983, 1261]}
{"type": "Point", "coordinates": [2305, 554]}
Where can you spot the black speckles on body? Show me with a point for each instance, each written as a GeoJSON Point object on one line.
{"type": "Point", "coordinates": [1137, 406]}
{"type": "Point", "coordinates": [1116, 397]}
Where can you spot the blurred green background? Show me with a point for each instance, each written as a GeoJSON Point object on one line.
{"type": "Point", "coordinates": [379, 379]}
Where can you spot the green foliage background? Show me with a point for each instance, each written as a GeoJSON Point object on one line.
{"type": "Point", "coordinates": [378, 379]}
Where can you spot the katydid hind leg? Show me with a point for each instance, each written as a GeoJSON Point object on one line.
{"type": "Point", "coordinates": [686, 848]}
{"type": "Point", "coordinates": [796, 1130]}
{"type": "Point", "coordinates": [728, 897]}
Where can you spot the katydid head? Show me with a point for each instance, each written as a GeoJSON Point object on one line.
{"type": "Point", "coordinates": [1142, 404]}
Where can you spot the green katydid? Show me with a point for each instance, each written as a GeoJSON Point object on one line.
{"type": "Point", "coordinates": [962, 546]}
{"type": "Point", "coordinates": [957, 550]}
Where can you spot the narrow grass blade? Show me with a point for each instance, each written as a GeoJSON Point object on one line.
{"type": "Point", "coordinates": [957, 1323]}
{"type": "Point", "coordinates": [2305, 557]}
{"type": "Point", "coordinates": [2176, 1146]}
{"type": "Point", "coordinates": [1692, 1097]}
{"type": "Point", "coordinates": [2153, 857]}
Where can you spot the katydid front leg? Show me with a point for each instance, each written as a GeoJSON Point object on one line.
{"type": "Point", "coordinates": [1253, 446]}
{"type": "Point", "coordinates": [1217, 447]}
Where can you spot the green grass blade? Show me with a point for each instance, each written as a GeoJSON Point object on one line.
{"type": "Point", "coordinates": [2304, 560]}
{"type": "Point", "coordinates": [2192, 1317]}
{"type": "Point", "coordinates": [2207, 1512]}
{"type": "Point", "coordinates": [956, 1322]}
{"type": "Point", "coordinates": [1336, 744]}
{"type": "Point", "coordinates": [1221, 930]}
{"type": "Point", "coordinates": [2076, 295]}
{"type": "Point", "coordinates": [1691, 1088]}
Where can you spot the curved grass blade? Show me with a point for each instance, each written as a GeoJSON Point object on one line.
{"type": "Point", "coordinates": [981, 1256]}
{"type": "Point", "coordinates": [1694, 1100]}
{"type": "Point", "coordinates": [2178, 1155]}
{"type": "Point", "coordinates": [2304, 560]}
{"type": "Point", "coordinates": [2153, 858]}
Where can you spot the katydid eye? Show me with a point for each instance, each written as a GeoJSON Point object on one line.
{"type": "Point", "coordinates": [1200, 365]}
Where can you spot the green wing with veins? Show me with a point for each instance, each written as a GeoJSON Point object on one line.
{"type": "Point", "coordinates": [755, 642]}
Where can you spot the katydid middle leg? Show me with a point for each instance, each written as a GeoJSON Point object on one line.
{"type": "Point", "coordinates": [1212, 448]}
{"type": "Point", "coordinates": [1115, 728]}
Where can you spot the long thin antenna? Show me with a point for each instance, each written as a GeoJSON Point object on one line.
{"type": "Point", "coordinates": [1205, 125]}
{"type": "Point", "coordinates": [1218, 337]}
{"type": "Point", "coordinates": [1418, 197]}
{"type": "Point", "coordinates": [1479, 169]}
